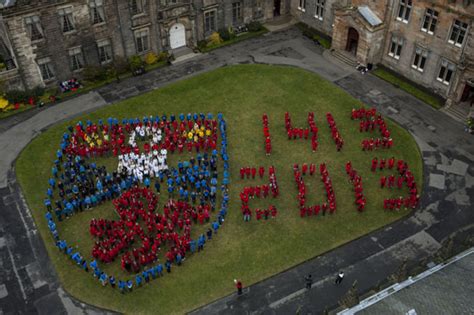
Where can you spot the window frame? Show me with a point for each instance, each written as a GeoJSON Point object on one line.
{"type": "Point", "coordinates": [77, 59]}
{"type": "Point", "coordinates": [405, 8]}
{"type": "Point", "coordinates": [462, 27]}
{"type": "Point", "coordinates": [63, 14]}
{"type": "Point", "coordinates": [237, 19]}
{"type": "Point", "coordinates": [302, 5]}
{"type": "Point", "coordinates": [96, 8]}
{"type": "Point", "coordinates": [139, 35]}
{"type": "Point", "coordinates": [446, 71]}
{"type": "Point", "coordinates": [33, 22]}
{"type": "Point", "coordinates": [47, 63]}
{"type": "Point", "coordinates": [214, 21]}
{"type": "Point", "coordinates": [100, 45]}
{"type": "Point", "coordinates": [433, 17]}
{"type": "Point", "coordinates": [395, 47]}
{"type": "Point", "coordinates": [420, 64]}
{"type": "Point", "coordinates": [140, 7]}
{"type": "Point", "coordinates": [319, 9]}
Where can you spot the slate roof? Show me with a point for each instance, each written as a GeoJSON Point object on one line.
{"type": "Point", "coordinates": [369, 15]}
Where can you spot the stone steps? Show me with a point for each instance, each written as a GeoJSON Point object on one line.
{"type": "Point", "coordinates": [182, 51]}
{"type": "Point", "coordinates": [457, 112]}
{"type": "Point", "coordinates": [345, 58]}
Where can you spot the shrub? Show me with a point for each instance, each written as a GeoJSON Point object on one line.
{"type": "Point", "coordinates": [151, 58]}
{"type": "Point", "coordinates": [202, 44]}
{"type": "Point", "coordinates": [226, 34]}
{"type": "Point", "coordinates": [120, 65]}
{"type": "Point", "coordinates": [254, 26]}
{"type": "Point", "coordinates": [37, 92]}
{"type": "Point", "coordinates": [94, 73]}
{"type": "Point", "coordinates": [215, 39]}
{"type": "Point", "coordinates": [16, 96]}
{"type": "Point", "coordinates": [135, 62]}
{"type": "Point", "coordinates": [163, 56]}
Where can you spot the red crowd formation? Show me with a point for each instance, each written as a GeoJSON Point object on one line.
{"type": "Point", "coordinates": [259, 191]}
{"type": "Point", "coordinates": [336, 136]}
{"type": "Point", "coordinates": [294, 133]}
{"type": "Point", "coordinates": [356, 180]}
{"type": "Point", "coordinates": [329, 204]}
{"type": "Point", "coordinates": [370, 120]}
{"type": "Point", "coordinates": [266, 135]}
{"type": "Point", "coordinates": [97, 140]}
{"type": "Point", "coordinates": [250, 172]}
{"type": "Point", "coordinates": [404, 176]}
{"type": "Point", "coordinates": [139, 204]}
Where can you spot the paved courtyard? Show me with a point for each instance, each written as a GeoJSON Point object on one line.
{"type": "Point", "coordinates": [29, 285]}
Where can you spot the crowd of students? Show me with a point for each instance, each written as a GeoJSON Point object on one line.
{"type": "Point", "coordinates": [404, 176]}
{"type": "Point", "coordinates": [356, 181]}
{"type": "Point", "coordinates": [329, 204]}
{"type": "Point", "coordinates": [336, 136]}
{"type": "Point", "coordinates": [370, 120]}
{"type": "Point", "coordinates": [259, 191]}
{"type": "Point", "coordinates": [303, 133]}
{"type": "Point", "coordinates": [266, 135]}
{"type": "Point", "coordinates": [77, 185]}
{"type": "Point", "coordinates": [185, 133]}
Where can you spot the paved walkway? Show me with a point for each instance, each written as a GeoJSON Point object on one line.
{"type": "Point", "coordinates": [446, 205]}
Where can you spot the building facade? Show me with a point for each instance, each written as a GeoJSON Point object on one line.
{"type": "Point", "coordinates": [429, 42]}
{"type": "Point", "coordinates": [46, 41]}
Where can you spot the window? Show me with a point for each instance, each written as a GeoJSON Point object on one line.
{"type": "Point", "coordinates": [105, 51]}
{"type": "Point", "coordinates": [33, 27]}
{"type": "Point", "coordinates": [77, 60]}
{"type": "Point", "coordinates": [302, 5]}
{"type": "Point", "coordinates": [319, 12]}
{"type": "Point", "coordinates": [429, 23]}
{"type": "Point", "coordinates": [46, 69]}
{"type": "Point", "coordinates": [210, 21]}
{"type": "Point", "coordinates": [396, 47]}
{"type": "Point", "coordinates": [446, 71]}
{"type": "Point", "coordinates": [97, 11]}
{"type": "Point", "coordinates": [458, 33]}
{"type": "Point", "coordinates": [66, 19]}
{"type": "Point", "coordinates": [142, 41]}
{"type": "Point", "coordinates": [136, 7]}
{"type": "Point", "coordinates": [404, 10]}
{"type": "Point", "coordinates": [236, 12]}
{"type": "Point", "coordinates": [420, 59]}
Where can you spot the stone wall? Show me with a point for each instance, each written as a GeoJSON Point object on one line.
{"type": "Point", "coordinates": [324, 25]}
{"type": "Point", "coordinates": [437, 44]}
{"type": "Point", "coordinates": [119, 28]}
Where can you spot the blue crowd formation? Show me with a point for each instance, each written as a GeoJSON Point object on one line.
{"type": "Point", "coordinates": [76, 185]}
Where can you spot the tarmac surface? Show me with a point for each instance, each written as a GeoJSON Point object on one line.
{"type": "Point", "coordinates": [28, 283]}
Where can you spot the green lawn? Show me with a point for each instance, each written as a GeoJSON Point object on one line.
{"type": "Point", "coordinates": [250, 251]}
{"type": "Point", "coordinates": [409, 88]}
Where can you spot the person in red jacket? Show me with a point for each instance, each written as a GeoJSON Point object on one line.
{"type": "Point", "coordinates": [374, 164]}
{"type": "Point", "coordinates": [261, 171]}
{"type": "Point", "coordinates": [254, 172]}
{"type": "Point", "coordinates": [239, 286]}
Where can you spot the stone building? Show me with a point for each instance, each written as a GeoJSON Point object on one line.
{"type": "Point", "coordinates": [429, 42]}
{"type": "Point", "coordinates": [46, 41]}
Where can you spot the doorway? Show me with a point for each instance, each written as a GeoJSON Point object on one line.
{"type": "Point", "coordinates": [352, 41]}
{"type": "Point", "coordinates": [276, 8]}
{"type": "Point", "coordinates": [177, 36]}
{"type": "Point", "coordinates": [467, 93]}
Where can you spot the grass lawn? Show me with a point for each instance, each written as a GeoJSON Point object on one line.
{"type": "Point", "coordinates": [250, 251]}
{"type": "Point", "coordinates": [409, 88]}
